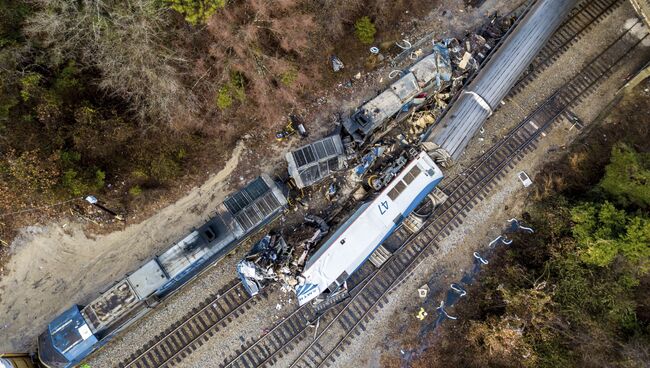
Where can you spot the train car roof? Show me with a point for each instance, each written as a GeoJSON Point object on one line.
{"type": "Point", "coordinates": [355, 240]}
{"type": "Point", "coordinates": [328, 243]}
{"type": "Point", "coordinates": [67, 338]}
{"type": "Point", "coordinates": [253, 204]}
{"type": "Point", "coordinates": [110, 305]}
{"type": "Point", "coordinates": [311, 163]}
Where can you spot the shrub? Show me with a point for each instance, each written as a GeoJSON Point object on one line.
{"type": "Point", "coordinates": [627, 177]}
{"type": "Point", "coordinates": [224, 100]}
{"type": "Point", "coordinates": [287, 78]}
{"type": "Point", "coordinates": [139, 174]}
{"type": "Point", "coordinates": [365, 30]}
{"type": "Point", "coordinates": [72, 183]}
{"type": "Point", "coordinates": [237, 85]}
{"type": "Point", "coordinates": [163, 168]}
{"type": "Point", "coordinates": [196, 11]}
{"type": "Point", "coordinates": [29, 85]}
{"type": "Point", "coordinates": [100, 176]}
{"type": "Point", "coordinates": [235, 89]}
{"type": "Point", "coordinates": [135, 190]}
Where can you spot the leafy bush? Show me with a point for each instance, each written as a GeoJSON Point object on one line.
{"type": "Point", "coordinates": [72, 183]}
{"type": "Point", "coordinates": [163, 168]}
{"type": "Point", "coordinates": [196, 11]}
{"type": "Point", "coordinates": [627, 177]}
{"type": "Point", "coordinates": [29, 85]}
{"type": "Point", "coordinates": [235, 89]}
{"type": "Point", "coordinates": [135, 190]}
{"type": "Point", "coordinates": [365, 30]}
{"type": "Point", "coordinates": [224, 99]}
{"type": "Point", "coordinates": [287, 78]}
{"type": "Point", "coordinates": [100, 176]}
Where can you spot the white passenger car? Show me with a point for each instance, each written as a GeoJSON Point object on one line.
{"type": "Point", "coordinates": [348, 248]}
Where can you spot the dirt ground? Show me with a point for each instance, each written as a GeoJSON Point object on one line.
{"type": "Point", "coordinates": [56, 264]}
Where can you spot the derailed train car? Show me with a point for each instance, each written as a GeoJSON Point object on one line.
{"type": "Point", "coordinates": [82, 329]}
{"type": "Point", "coordinates": [357, 238]}
{"type": "Point", "coordinates": [426, 75]}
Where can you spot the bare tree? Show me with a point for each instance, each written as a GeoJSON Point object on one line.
{"type": "Point", "coordinates": [128, 41]}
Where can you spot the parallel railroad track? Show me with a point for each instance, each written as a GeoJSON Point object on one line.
{"type": "Point", "coordinates": [217, 311]}
{"type": "Point", "coordinates": [361, 308]}
{"type": "Point", "coordinates": [348, 319]}
{"type": "Point", "coordinates": [582, 19]}
{"type": "Point", "coordinates": [194, 329]}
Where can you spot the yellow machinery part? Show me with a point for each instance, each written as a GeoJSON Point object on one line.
{"type": "Point", "coordinates": [16, 361]}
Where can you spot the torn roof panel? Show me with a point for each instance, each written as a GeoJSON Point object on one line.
{"type": "Point", "coordinates": [312, 163]}
{"type": "Point", "coordinates": [435, 67]}
{"type": "Point", "coordinates": [406, 87]}
{"type": "Point", "coordinates": [110, 306]}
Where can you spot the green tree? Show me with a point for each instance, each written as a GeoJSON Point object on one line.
{"type": "Point", "coordinates": [627, 177]}
{"type": "Point", "coordinates": [365, 30]}
{"type": "Point", "coordinates": [603, 232]}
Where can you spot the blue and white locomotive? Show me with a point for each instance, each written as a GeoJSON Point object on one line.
{"type": "Point", "coordinates": [349, 247]}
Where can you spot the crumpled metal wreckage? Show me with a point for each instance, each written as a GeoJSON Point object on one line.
{"type": "Point", "coordinates": [272, 259]}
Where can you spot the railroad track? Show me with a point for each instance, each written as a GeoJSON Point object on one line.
{"type": "Point", "coordinates": [347, 319]}
{"type": "Point", "coordinates": [216, 311]}
{"type": "Point", "coordinates": [521, 142]}
{"type": "Point", "coordinates": [194, 329]}
{"type": "Point", "coordinates": [582, 19]}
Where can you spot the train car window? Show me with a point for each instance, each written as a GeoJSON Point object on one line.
{"type": "Point", "coordinates": [412, 174]}
{"type": "Point", "coordinates": [395, 192]}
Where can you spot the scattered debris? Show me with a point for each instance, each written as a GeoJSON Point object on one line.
{"type": "Point", "coordinates": [441, 75]}
{"type": "Point", "coordinates": [480, 259]}
{"type": "Point", "coordinates": [423, 291]}
{"type": "Point", "coordinates": [367, 161]}
{"type": "Point", "coordinates": [441, 310]}
{"type": "Point", "coordinates": [293, 126]}
{"type": "Point", "coordinates": [516, 226]}
{"type": "Point", "coordinates": [261, 263]}
{"type": "Point", "coordinates": [458, 289]}
{"type": "Point", "coordinates": [337, 64]}
{"type": "Point", "coordinates": [525, 179]}
{"type": "Point", "coordinates": [275, 258]}
{"type": "Point", "coordinates": [499, 239]}
{"type": "Point", "coordinates": [407, 45]}
{"type": "Point", "coordinates": [421, 314]}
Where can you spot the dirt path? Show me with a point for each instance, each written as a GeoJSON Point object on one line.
{"type": "Point", "coordinates": [55, 265]}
